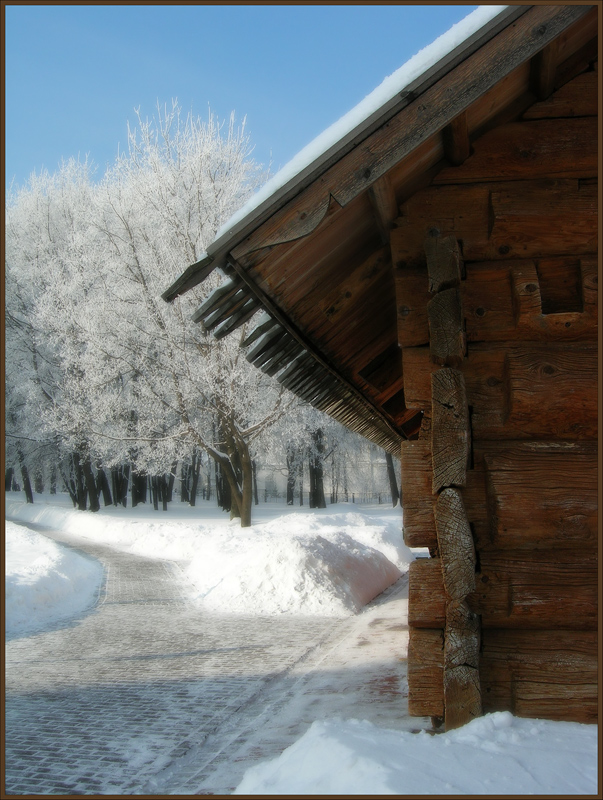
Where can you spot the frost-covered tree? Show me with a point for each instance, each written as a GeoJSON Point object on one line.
{"type": "Point", "coordinates": [45, 235]}
{"type": "Point", "coordinates": [136, 385]}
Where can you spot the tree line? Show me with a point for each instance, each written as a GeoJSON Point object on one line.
{"type": "Point", "coordinates": [109, 390]}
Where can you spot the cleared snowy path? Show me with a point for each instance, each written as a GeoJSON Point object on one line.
{"type": "Point", "coordinates": [148, 695]}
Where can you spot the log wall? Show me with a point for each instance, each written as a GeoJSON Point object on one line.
{"type": "Point", "coordinates": [496, 292]}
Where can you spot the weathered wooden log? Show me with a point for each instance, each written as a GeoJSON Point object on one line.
{"type": "Point", "coordinates": [561, 148]}
{"type": "Point", "coordinates": [578, 98]}
{"type": "Point", "coordinates": [450, 429]}
{"type": "Point", "coordinates": [426, 673]}
{"type": "Point", "coordinates": [542, 494]}
{"type": "Point", "coordinates": [506, 382]}
{"type": "Point", "coordinates": [511, 300]}
{"type": "Point", "coordinates": [551, 674]}
{"type": "Point", "coordinates": [525, 589]}
{"type": "Point", "coordinates": [444, 262]}
{"type": "Point", "coordinates": [412, 296]}
{"type": "Point", "coordinates": [462, 696]}
{"type": "Point", "coordinates": [508, 219]}
{"type": "Point", "coordinates": [447, 343]}
{"type": "Point", "coordinates": [461, 636]}
{"type": "Point", "coordinates": [543, 69]}
{"type": "Point", "coordinates": [455, 545]}
{"type": "Point", "coordinates": [416, 471]}
{"type": "Point", "coordinates": [426, 596]}
{"type": "Point", "coordinates": [457, 147]}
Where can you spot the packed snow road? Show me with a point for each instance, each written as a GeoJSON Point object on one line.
{"type": "Point", "coordinates": [146, 693]}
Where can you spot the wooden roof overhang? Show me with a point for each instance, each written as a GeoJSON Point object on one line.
{"type": "Point", "coordinates": [316, 256]}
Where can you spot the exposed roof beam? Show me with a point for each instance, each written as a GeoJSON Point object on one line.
{"type": "Point", "coordinates": [218, 250]}
{"type": "Point", "coordinates": [310, 348]}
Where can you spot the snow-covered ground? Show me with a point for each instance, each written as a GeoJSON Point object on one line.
{"type": "Point", "coordinates": [494, 754]}
{"type": "Point", "coordinates": [45, 582]}
{"type": "Point", "coordinates": [329, 562]}
{"type": "Point", "coordinates": [296, 561]}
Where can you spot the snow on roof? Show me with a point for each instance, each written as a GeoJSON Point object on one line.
{"type": "Point", "coordinates": [391, 88]}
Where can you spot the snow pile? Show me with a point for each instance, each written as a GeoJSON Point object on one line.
{"type": "Point", "coordinates": [278, 571]}
{"type": "Point", "coordinates": [329, 562]}
{"type": "Point", "coordinates": [495, 754]}
{"type": "Point", "coordinates": [45, 583]}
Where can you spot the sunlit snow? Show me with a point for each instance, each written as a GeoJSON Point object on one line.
{"type": "Point", "coordinates": [297, 561]}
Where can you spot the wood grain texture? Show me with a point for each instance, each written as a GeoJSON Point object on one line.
{"type": "Point", "coordinates": [416, 471]}
{"type": "Point", "coordinates": [446, 332]}
{"type": "Point", "coordinates": [542, 494]}
{"type": "Point", "coordinates": [559, 148]}
{"type": "Point", "coordinates": [444, 262]}
{"type": "Point", "coordinates": [426, 673]}
{"type": "Point", "coordinates": [578, 98]}
{"type": "Point", "coordinates": [412, 297]}
{"type": "Point", "coordinates": [450, 434]}
{"type": "Point", "coordinates": [462, 635]}
{"type": "Point", "coordinates": [504, 301]}
{"type": "Point", "coordinates": [457, 147]}
{"type": "Point", "coordinates": [426, 596]}
{"type": "Point", "coordinates": [455, 545]}
{"type": "Point", "coordinates": [462, 696]}
{"type": "Point", "coordinates": [503, 220]}
{"type": "Point", "coordinates": [550, 674]}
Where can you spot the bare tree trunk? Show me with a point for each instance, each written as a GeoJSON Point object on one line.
{"type": "Point", "coordinates": [90, 483]}
{"type": "Point", "coordinates": [171, 479]}
{"type": "Point", "coordinates": [155, 492]}
{"type": "Point", "coordinates": [291, 473]}
{"type": "Point", "coordinates": [184, 475]}
{"type": "Point", "coordinates": [25, 478]}
{"type": "Point", "coordinates": [195, 469]}
{"type": "Point", "coordinates": [53, 479]}
{"type": "Point", "coordinates": [255, 483]}
{"type": "Point", "coordinates": [391, 474]}
{"type": "Point", "coordinates": [38, 482]}
{"type": "Point", "coordinates": [80, 491]}
{"type": "Point", "coordinates": [165, 491]}
{"type": "Point", "coordinates": [317, 491]}
{"type": "Point", "coordinates": [102, 485]}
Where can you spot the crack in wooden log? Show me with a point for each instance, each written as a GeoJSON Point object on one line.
{"type": "Point", "coordinates": [446, 333]}
{"type": "Point", "coordinates": [455, 544]}
{"type": "Point", "coordinates": [444, 262]}
{"type": "Point", "coordinates": [450, 429]}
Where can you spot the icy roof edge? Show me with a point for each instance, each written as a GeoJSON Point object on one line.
{"type": "Point", "coordinates": [398, 90]}
{"type": "Point", "coordinates": [388, 98]}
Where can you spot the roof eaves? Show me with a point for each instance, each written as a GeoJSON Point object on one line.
{"type": "Point", "coordinates": [221, 246]}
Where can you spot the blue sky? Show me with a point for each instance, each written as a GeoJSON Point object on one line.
{"type": "Point", "coordinates": [75, 74]}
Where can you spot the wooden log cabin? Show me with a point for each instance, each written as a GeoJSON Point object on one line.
{"type": "Point", "coordinates": [430, 280]}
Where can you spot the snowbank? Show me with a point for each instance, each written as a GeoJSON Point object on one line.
{"type": "Point", "coordinates": [495, 754]}
{"type": "Point", "coordinates": [329, 562]}
{"type": "Point", "coordinates": [45, 582]}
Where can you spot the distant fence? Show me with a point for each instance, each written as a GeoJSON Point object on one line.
{"type": "Point", "coordinates": [280, 498]}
